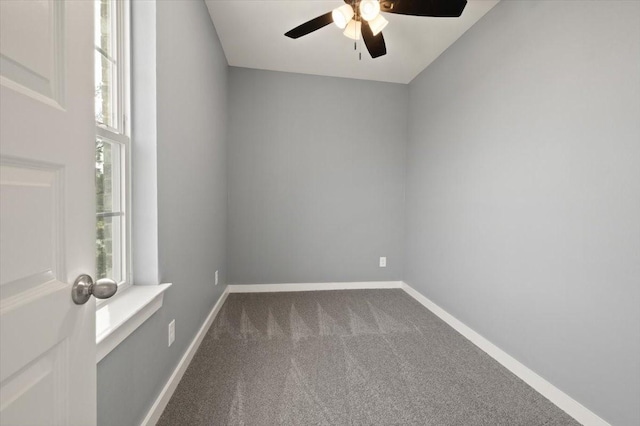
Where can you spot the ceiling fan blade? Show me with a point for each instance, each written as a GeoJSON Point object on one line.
{"type": "Point", "coordinates": [310, 26]}
{"type": "Point", "coordinates": [375, 43]}
{"type": "Point", "coordinates": [435, 8]}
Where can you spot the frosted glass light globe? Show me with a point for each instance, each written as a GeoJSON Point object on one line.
{"type": "Point", "coordinates": [369, 9]}
{"type": "Point", "coordinates": [342, 15]}
{"type": "Point", "coordinates": [353, 30]}
{"type": "Point", "coordinates": [378, 24]}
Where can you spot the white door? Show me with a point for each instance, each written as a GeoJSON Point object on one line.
{"type": "Point", "coordinates": [47, 212]}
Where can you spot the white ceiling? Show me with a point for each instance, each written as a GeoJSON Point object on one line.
{"type": "Point", "coordinates": [252, 36]}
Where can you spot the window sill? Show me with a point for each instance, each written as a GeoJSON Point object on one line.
{"type": "Point", "coordinates": [117, 318]}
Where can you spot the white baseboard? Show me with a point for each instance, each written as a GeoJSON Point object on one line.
{"type": "Point", "coordinates": [572, 407]}
{"type": "Point", "coordinates": [162, 400]}
{"type": "Point", "coordinates": [268, 288]}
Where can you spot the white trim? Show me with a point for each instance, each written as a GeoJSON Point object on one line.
{"type": "Point", "coordinates": [162, 400]}
{"type": "Point", "coordinates": [120, 316]}
{"type": "Point", "coordinates": [546, 389]}
{"type": "Point", "coordinates": [269, 288]}
{"type": "Point", "coordinates": [112, 136]}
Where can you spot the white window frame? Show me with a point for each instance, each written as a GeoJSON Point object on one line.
{"type": "Point", "coordinates": [122, 135]}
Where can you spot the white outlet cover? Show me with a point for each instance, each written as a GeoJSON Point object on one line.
{"type": "Point", "coordinates": [172, 332]}
{"type": "Point", "coordinates": [383, 262]}
{"type": "Point", "coordinates": [216, 277]}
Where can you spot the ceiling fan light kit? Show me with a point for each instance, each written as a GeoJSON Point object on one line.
{"type": "Point", "coordinates": [362, 18]}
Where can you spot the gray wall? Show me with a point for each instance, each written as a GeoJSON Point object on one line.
{"type": "Point", "coordinates": [523, 192]}
{"type": "Point", "coordinates": [192, 114]}
{"type": "Point", "coordinates": [316, 178]}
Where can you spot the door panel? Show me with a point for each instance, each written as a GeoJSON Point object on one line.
{"type": "Point", "coordinates": [47, 212]}
{"type": "Point", "coordinates": [32, 47]}
{"type": "Point", "coordinates": [31, 252]}
{"type": "Point", "coordinates": [34, 385]}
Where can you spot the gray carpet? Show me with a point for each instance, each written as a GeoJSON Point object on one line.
{"type": "Point", "coordinates": [352, 357]}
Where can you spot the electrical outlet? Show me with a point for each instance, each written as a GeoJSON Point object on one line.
{"type": "Point", "coordinates": [216, 279]}
{"type": "Point", "coordinates": [172, 332]}
{"type": "Point", "coordinates": [383, 262]}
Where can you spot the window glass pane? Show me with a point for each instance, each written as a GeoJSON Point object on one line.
{"type": "Point", "coordinates": [105, 22]}
{"type": "Point", "coordinates": [105, 93]}
{"type": "Point", "coordinates": [110, 218]}
{"type": "Point", "coordinates": [108, 174]}
{"type": "Point", "coordinates": [111, 221]}
{"type": "Point", "coordinates": [109, 248]}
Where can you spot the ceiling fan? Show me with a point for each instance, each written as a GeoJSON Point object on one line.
{"type": "Point", "coordinates": [362, 17]}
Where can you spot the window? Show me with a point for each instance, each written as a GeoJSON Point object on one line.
{"type": "Point", "coordinates": [112, 140]}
